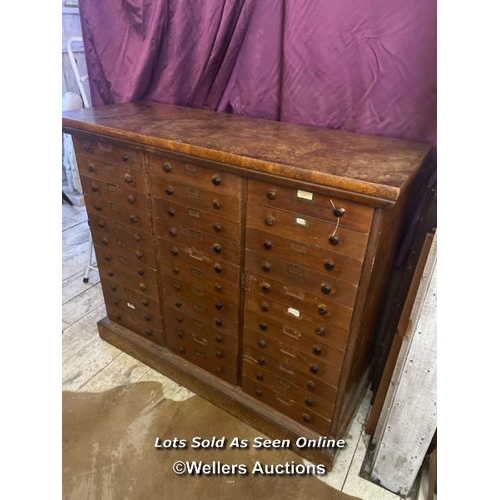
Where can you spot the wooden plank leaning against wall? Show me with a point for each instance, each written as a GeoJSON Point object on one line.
{"type": "Point", "coordinates": [408, 420]}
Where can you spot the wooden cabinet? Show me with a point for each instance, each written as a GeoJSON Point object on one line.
{"type": "Point", "coordinates": [246, 259]}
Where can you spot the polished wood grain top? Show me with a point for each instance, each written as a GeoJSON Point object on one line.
{"type": "Point", "coordinates": [376, 166]}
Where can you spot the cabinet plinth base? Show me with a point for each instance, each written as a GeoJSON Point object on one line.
{"type": "Point", "coordinates": [225, 396]}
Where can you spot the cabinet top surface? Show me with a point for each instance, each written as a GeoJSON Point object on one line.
{"type": "Point", "coordinates": [376, 166]}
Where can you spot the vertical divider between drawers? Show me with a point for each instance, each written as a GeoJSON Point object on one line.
{"type": "Point", "coordinates": [242, 246]}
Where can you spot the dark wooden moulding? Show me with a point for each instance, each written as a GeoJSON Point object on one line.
{"type": "Point", "coordinates": [375, 177]}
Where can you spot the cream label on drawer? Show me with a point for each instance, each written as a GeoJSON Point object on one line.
{"type": "Point", "coordinates": [294, 312]}
{"type": "Point", "coordinates": [315, 232]}
{"type": "Point", "coordinates": [311, 204]}
{"type": "Point", "coordinates": [305, 195]}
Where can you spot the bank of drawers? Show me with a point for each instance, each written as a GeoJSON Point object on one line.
{"type": "Point", "coordinates": [197, 220]}
{"type": "Point", "coordinates": [116, 196]}
{"type": "Point", "coordinates": [304, 255]}
{"type": "Point", "coordinates": [303, 258]}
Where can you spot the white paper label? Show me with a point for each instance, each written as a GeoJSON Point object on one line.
{"type": "Point", "coordinates": [130, 305]}
{"type": "Point", "coordinates": [305, 195]}
{"type": "Point", "coordinates": [300, 221]}
{"type": "Point", "coordinates": [293, 312]}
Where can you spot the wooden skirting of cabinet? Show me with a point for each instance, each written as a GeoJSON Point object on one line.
{"type": "Point", "coordinates": [244, 258]}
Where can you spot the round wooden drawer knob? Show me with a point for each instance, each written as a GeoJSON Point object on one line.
{"type": "Point", "coordinates": [317, 350]}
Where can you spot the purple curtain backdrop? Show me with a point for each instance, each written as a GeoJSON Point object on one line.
{"type": "Point", "coordinates": [361, 65]}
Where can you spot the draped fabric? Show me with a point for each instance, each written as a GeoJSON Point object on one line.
{"type": "Point", "coordinates": [361, 65]}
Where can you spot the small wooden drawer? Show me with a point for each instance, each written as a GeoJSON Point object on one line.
{"type": "Point", "coordinates": [217, 361]}
{"type": "Point", "coordinates": [293, 315]}
{"type": "Point", "coordinates": [219, 204]}
{"type": "Point", "coordinates": [199, 265]}
{"type": "Point", "coordinates": [124, 235]}
{"type": "Point", "coordinates": [188, 241]}
{"type": "Point", "coordinates": [200, 332]}
{"type": "Point", "coordinates": [308, 230]}
{"type": "Point", "coordinates": [284, 302]}
{"type": "Point", "coordinates": [287, 327]}
{"type": "Point", "coordinates": [115, 194]}
{"type": "Point", "coordinates": [327, 208]}
{"type": "Point", "coordinates": [209, 179]}
{"type": "Point", "coordinates": [218, 322]}
{"type": "Point", "coordinates": [121, 175]}
{"type": "Point", "coordinates": [297, 252]}
{"type": "Point", "coordinates": [199, 298]}
{"type": "Point", "coordinates": [204, 307]}
{"type": "Point", "coordinates": [185, 216]}
{"type": "Point", "coordinates": [301, 283]}
{"type": "Point", "coordinates": [327, 368]}
{"type": "Point", "coordinates": [119, 213]}
{"type": "Point", "coordinates": [254, 362]}
{"type": "Point", "coordinates": [119, 153]}
{"type": "Point", "coordinates": [136, 284]}
{"type": "Point", "coordinates": [142, 328]}
{"type": "Point", "coordinates": [109, 263]}
{"type": "Point", "coordinates": [135, 311]}
{"type": "Point", "coordinates": [134, 300]}
{"type": "Point", "coordinates": [197, 278]}
{"type": "Point", "coordinates": [282, 385]}
{"type": "Point", "coordinates": [289, 337]}
{"type": "Point", "coordinates": [283, 403]}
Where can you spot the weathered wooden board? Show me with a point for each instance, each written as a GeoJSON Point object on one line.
{"type": "Point", "coordinates": [359, 487]}
{"type": "Point", "coordinates": [83, 304]}
{"type": "Point", "coordinates": [86, 363]}
{"type": "Point", "coordinates": [408, 420]}
{"type": "Point", "coordinates": [82, 332]}
{"type": "Point", "coordinates": [124, 369]}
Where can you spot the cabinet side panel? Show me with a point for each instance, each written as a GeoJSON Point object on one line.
{"type": "Point", "coordinates": [387, 232]}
